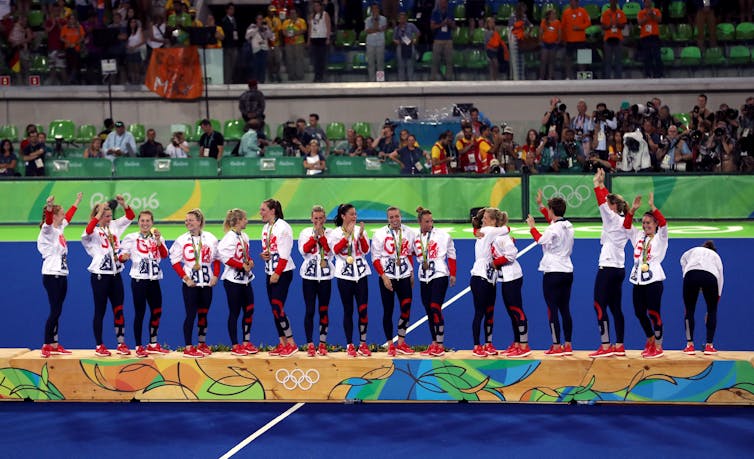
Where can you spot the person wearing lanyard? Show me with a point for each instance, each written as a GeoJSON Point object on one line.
{"type": "Point", "coordinates": [233, 250]}
{"type": "Point", "coordinates": [436, 254]}
{"type": "Point", "coordinates": [702, 270]}
{"type": "Point", "coordinates": [650, 245]}
{"type": "Point", "coordinates": [195, 259]}
{"type": "Point", "coordinates": [100, 240]}
{"type": "Point", "coordinates": [277, 243]}
{"type": "Point", "coordinates": [211, 143]}
{"type": "Point", "coordinates": [52, 245]}
{"type": "Point", "coordinates": [557, 245]}
{"type": "Point", "coordinates": [146, 249]}
{"type": "Point", "coordinates": [316, 274]}
{"type": "Point", "coordinates": [350, 246]}
{"type": "Point", "coordinates": [392, 245]}
{"type": "Point", "coordinates": [119, 142]}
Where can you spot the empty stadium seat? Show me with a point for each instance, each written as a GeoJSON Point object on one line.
{"type": "Point", "coordinates": [138, 131]}
{"type": "Point", "coordinates": [233, 129]}
{"type": "Point", "coordinates": [363, 128]}
{"type": "Point", "coordinates": [64, 128]}
{"type": "Point", "coordinates": [86, 133]}
{"type": "Point", "coordinates": [9, 131]}
{"type": "Point", "coordinates": [336, 131]}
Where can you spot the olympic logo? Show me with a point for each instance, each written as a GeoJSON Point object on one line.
{"type": "Point", "coordinates": [297, 378]}
{"type": "Point", "coordinates": [574, 196]}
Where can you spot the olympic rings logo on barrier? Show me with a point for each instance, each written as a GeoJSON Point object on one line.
{"type": "Point", "coordinates": [297, 378]}
{"type": "Point", "coordinates": [574, 197]}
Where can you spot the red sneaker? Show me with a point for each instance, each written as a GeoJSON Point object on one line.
{"type": "Point", "coordinates": [250, 348]}
{"type": "Point", "coordinates": [156, 349]}
{"type": "Point", "coordinates": [567, 350]}
{"type": "Point", "coordinates": [59, 350]}
{"type": "Point", "coordinates": [509, 349]}
{"type": "Point", "coordinates": [689, 349]}
{"type": "Point", "coordinates": [141, 352]}
{"type": "Point", "coordinates": [479, 351]}
{"type": "Point", "coordinates": [311, 351]}
{"type": "Point", "coordinates": [46, 351]}
{"type": "Point", "coordinates": [619, 350]}
{"type": "Point", "coordinates": [238, 350]}
{"type": "Point", "coordinates": [555, 351]}
{"type": "Point", "coordinates": [122, 349]}
{"type": "Point", "coordinates": [364, 350]}
{"type": "Point", "coordinates": [351, 351]}
{"type": "Point", "coordinates": [204, 349]}
{"type": "Point", "coordinates": [602, 352]}
{"type": "Point", "coordinates": [101, 351]}
{"type": "Point", "coordinates": [709, 349]}
{"type": "Point", "coordinates": [322, 349]}
{"type": "Point", "coordinates": [519, 352]}
{"type": "Point", "coordinates": [288, 350]}
{"type": "Point", "coordinates": [438, 350]}
{"type": "Point", "coordinates": [647, 347]}
{"type": "Point", "coordinates": [490, 349]}
{"type": "Point", "coordinates": [653, 353]}
{"type": "Point", "coordinates": [391, 352]}
{"type": "Point", "coordinates": [428, 351]}
{"type": "Point", "coordinates": [404, 348]}
{"type": "Point", "coordinates": [277, 350]}
{"type": "Point", "coordinates": [192, 352]}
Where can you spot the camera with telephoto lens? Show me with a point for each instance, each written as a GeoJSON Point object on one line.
{"type": "Point", "coordinates": [719, 132]}
{"type": "Point", "coordinates": [604, 115]}
{"type": "Point", "coordinates": [730, 114]}
{"type": "Point", "coordinates": [643, 110]}
{"type": "Point", "coordinates": [695, 137]}
{"type": "Point", "coordinates": [495, 168]}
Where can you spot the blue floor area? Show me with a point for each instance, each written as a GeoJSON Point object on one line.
{"type": "Point", "coordinates": [24, 296]}
{"type": "Point", "coordinates": [188, 430]}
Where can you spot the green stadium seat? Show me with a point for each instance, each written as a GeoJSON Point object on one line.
{"type": "Point", "coordinates": [745, 31]}
{"type": "Point", "coordinates": [504, 12]}
{"type": "Point", "coordinates": [345, 38]}
{"type": "Point", "coordinates": [426, 61]}
{"type": "Point", "coordinates": [631, 10]}
{"type": "Point", "coordinates": [359, 61]}
{"type": "Point", "coordinates": [362, 38]}
{"type": "Point", "coordinates": [336, 131]}
{"type": "Point", "coordinates": [461, 36]}
{"type": "Point", "coordinates": [233, 129]}
{"type": "Point", "coordinates": [389, 33]}
{"type": "Point", "coordinates": [64, 128]}
{"type": "Point", "coordinates": [726, 32]}
{"type": "Point", "coordinates": [691, 56]}
{"type": "Point", "coordinates": [38, 65]}
{"type": "Point", "coordinates": [86, 133]}
{"type": "Point", "coordinates": [594, 33]}
{"type": "Point", "coordinates": [684, 118]}
{"type": "Point", "coordinates": [35, 18]}
{"type": "Point", "coordinates": [677, 9]}
{"type": "Point", "coordinates": [233, 166]}
{"type": "Point", "coordinates": [79, 168]}
{"type": "Point", "coordinates": [363, 128]}
{"type": "Point", "coordinates": [138, 131]}
{"type": "Point", "coordinates": [459, 59]}
{"type": "Point", "coordinates": [739, 55]}
{"type": "Point", "coordinates": [460, 12]}
{"type": "Point", "coordinates": [9, 131]}
{"type": "Point", "coordinates": [279, 131]}
{"type": "Point", "coordinates": [667, 55]}
{"type": "Point", "coordinates": [181, 127]}
{"type": "Point", "coordinates": [165, 167]}
{"type": "Point", "coordinates": [593, 10]}
{"type": "Point", "coordinates": [666, 33]}
{"type": "Point", "coordinates": [477, 60]}
{"type": "Point", "coordinates": [477, 37]}
{"type": "Point", "coordinates": [714, 57]}
{"type": "Point", "coordinates": [683, 33]}
{"type": "Point", "coordinates": [267, 130]}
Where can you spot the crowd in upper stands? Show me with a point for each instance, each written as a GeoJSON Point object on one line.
{"type": "Point", "coordinates": [634, 137]}
{"type": "Point", "coordinates": [64, 41]}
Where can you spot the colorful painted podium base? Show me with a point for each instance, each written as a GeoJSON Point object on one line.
{"type": "Point", "coordinates": [727, 378]}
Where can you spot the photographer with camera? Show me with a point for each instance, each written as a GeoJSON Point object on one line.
{"type": "Point", "coordinates": [635, 153]}
{"type": "Point", "coordinates": [746, 136]}
{"type": "Point", "coordinates": [729, 116]}
{"type": "Point", "coordinates": [386, 143]}
{"type": "Point", "coordinates": [178, 147]}
{"type": "Point", "coordinates": [700, 112]}
{"type": "Point", "coordinates": [509, 153]}
{"type": "Point", "coordinates": [675, 153]}
{"type": "Point", "coordinates": [556, 116]}
{"type": "Point", "coordinates": [605, 123]}
{"type": "Point", "coordinates": [720, 151]}
{"type": "Point", "coordinates": [583, 126]}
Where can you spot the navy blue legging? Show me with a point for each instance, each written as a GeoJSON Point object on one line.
{"type": "Point", "coordinates": [146, 291]}
{"type": "Point", "coordinates": [557, 292]}
{"type": "Point", "coordinates": [608, 295]}
{"type": "Point", "coordinates": [315, 291]}
{"type": "Point", "coordinates": [240, 298]}
{"type": "Point", "coordinates": [57, 288]}
{"type": "Point", "coordinates": [694, 281]}
{"type": "Point", "coordinates": [647, 301]}
{"type": "Point", "coordinates": [197, 301]}
{"type": "Point", "coordinates": [401, 289]}
{"type": "Point", "coordinates": [433, 296]}
{"type": "Point", "coordinates": [483, 293]}
{"type": "Point", "coordinates": [358, 292]}
{"type": "Point", "coordinates": [511, 292]}
{"type": "Point", "coordinates": [278, 293]}
{"type": "Point", "coordinates": [108, 287]}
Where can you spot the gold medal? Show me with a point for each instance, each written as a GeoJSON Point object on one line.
{"type": "Point", "coordinates": [323, 263]}
{"type": "Point", "coordinates": [349, 260]}
{"type": "Point", "coordinates": [644, 267]}
{"type": "Point", "coordinates": [425, 265]}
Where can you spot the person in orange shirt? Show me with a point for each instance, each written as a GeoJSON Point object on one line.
{"type": "Point", "coordinates": [613, 20]}
{"type": "Point", "coordinates": [496, 49]}
{"type": "Point", "coordinates": [649, 39]}
{"type": "Point", "coordinates": [440, 158]}
{"type": "Point", "coordinates": [549, 37]}
{"type": "Point", "coordinates": [72, 35]}
{"type": "Point", "coordinates": [483, 150]}
{"type": "Point", "coordinates": [574, 21]}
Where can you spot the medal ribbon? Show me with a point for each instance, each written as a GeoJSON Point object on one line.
{"type": "Point", "coordinates": [425, 246]}
{"type": "Point", "coordinates": [269, 236]}
{"type": "Point", "coordinates": [645, 249]}
{"type": "Point", "coordinates": [398, 244]}
{"type": "Point", "coordinates": [349, 236]}
{"type": "Point", "coordinates": [197, 251]}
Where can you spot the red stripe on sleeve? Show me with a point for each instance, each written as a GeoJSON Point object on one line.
{"type": "Point", "coordinates": [536, 234]}
{"type": "Point", "coordinates": [310, 246]}
{"type": "Point", "coordinates": [90, 227]}
{"type": "Point", "coordinates": [660, 218]}
{"type": "Point", "coordinates": [281, 266]}
{"type": "Point", "coordinates": [48, 217]}
{"type": "Point", "coordinates": [340, 245]}
{"type": "Point", "coordinates": [378, 266]}
{"type": "Point", "coordinates": [130, 213]}
{"type": "Point", "coordinates": [324, 244]}
{"type": "Point", "coordinates": [216, 267]}
{"type": "Point", "coordinates": [178, 268]}
{"type": "Point", "coordinates": [545, 213]}
{"type": "Point", "coordinates": [628, 220]}
{"type": "Point", "coordinates": [601, 193]}
{"type": "Point", "coordinates": [233, 263]}
{"type": "Point", "coordinates": [69, 215]}
{"type": "Point", "coordinates": [452, 266]}
{"type": "Point", "coordinates": [163, 251]}
{"type": "Point", "coordinates": [363, 243]}
{"type": "Point", "coordinates": [500, 261]}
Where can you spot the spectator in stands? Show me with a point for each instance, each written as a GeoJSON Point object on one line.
{"type": "Point", "coordinates": [649, 19]}
{"type": "Point", "coordinates": [615, 150]}
{"type": "Point", "coordinates": [109, 126]}
{"type": "Point", "coordinates": [21, 40]}
{"type": "Point", "coordinates": [251, 104]}
{"type": "Point", "coordinates": [441, 160]}
{"type": "Point", "coordinates": [94, 150]}
{"type": "Point", "coordinates": [34, 157]}
{"type": "Point", "coordinates": [410, 157]}
{"type": "Point", "coordinates": [48, 153]}
{"type": "Point", "coordinates": [300, 139]}
{"type": "Point", "coordinates": [700, 112]}
{"type": "Point", "coordinates": [496, 50]}
{"type": "Point", "coordinates": [509, 152]}
{"type": "Point", "coordinates": [477, 120]}
{"type": "Point", "coordinates": [664, 119]}
{"type": "Point", "coordinates": [729, 117]}
{"type": "Point", "coordinates": [652, 136]}
{"type": "Point", "coordinates": [320, 28]}
{"type": "Point", "coordinates": [403, 138]}
{"type": "Point", "coordinates": [314, 162]}
{"type": "Point", "coordinates": [55, 52]}
{"type": "Point", "coordinates": [259, 35]}
{"type": "Point", "coordinates": [550, 31]}
{"type": "Point", "coordinates": [549, 153]}
{"type": "Point", "coordinates": [405, 38]}
{"type": "Point", "coordinates": [705, 19]}
{"type": "Point", "coordinates": [275, 55]}
{"type": "Point", "coordinates": [345, 146]}
{"type": "Point", "coordinates": [360, 147]}
{"type": "Point", "coordinates": [484, 149]}
{"type": "Point", "coordinates": [231, 44]}
{"type": "Point", "coordinates": [613, 20]}
{"type": "Point", "coordinates": [529, 155]}
{"type": "Point", "coordinates": [674, 152]}
{"type": "Point", "coordinates": [583, 126]}
{"type": "Point", "coordinates": [575, 21]}
{"type": "Point", "coordinates": [386, 143]}
{"type": "Point", "coordinates": [178, 22]}
{"type": "Point", "coordinates": [8, 159]}
{"type": "Point", "coordinates": [294, 31]}
{"type": "Point", "coordinates": [178, 147]}
{"type": "Point", "coordinates": [219, 33]}
{"type": "Point", "coordinates": [375, 26]}
{"type": "Point", "coordinates": [442, 25]}
{"type": "Point", "coordinates": [30, 129]}
{"type": "Point", "coordinates": [518, 24]}
{"type": "Point", "coordinates": [475, 14]}
{"type": "Point", "coordinates": [249, 145]}
{"type": "Point", "coordinates": [211, 143]}
{"type": "Point", "coordinates": [119, 142]}
{"type": "Point", "coordinates": [315, 131]}
{"type": "Point", "coordinates": [93, 52]}
{"type": "Point", "coordinates": [635, 156]}
{"type": "Point", "coordinates": [135, 47]}
{"type": "Point", "coordinates": [151, 148]}
{"type": "Point", "coordinates": [157, 36]}
{"type": "Point", "coordinates": [557, 117]}
{"type": "Point", "coordinates": [466, 148]}
{"type": "Point", "coordinates": [721, 147]}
